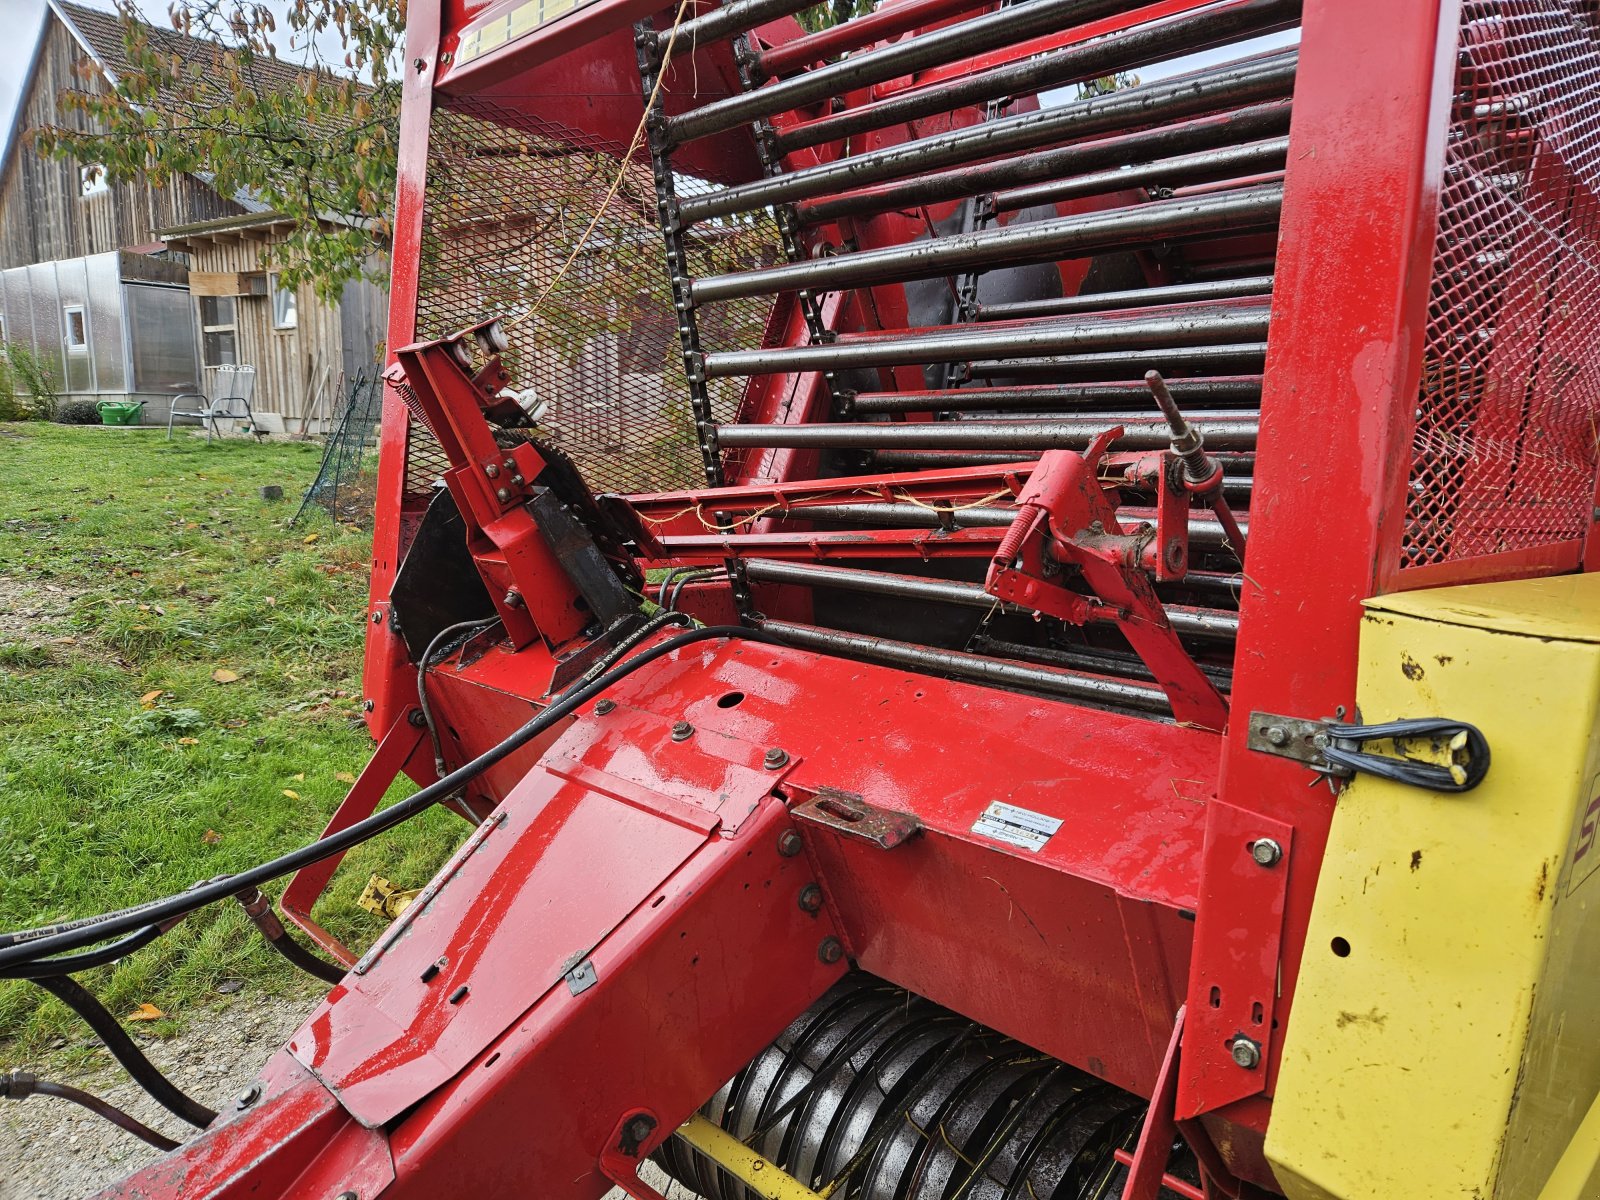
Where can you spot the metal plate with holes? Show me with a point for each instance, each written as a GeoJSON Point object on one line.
{"type": "Point", "coordinates": [1289, 737]}
{"type": "Point", "coordinates": [853, 817]}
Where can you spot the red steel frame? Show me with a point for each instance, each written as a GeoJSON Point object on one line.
{"type": "Point", "coordinates": [465, 1054]}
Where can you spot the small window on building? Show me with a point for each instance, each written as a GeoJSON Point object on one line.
{"type": "Point", "coordinates": [77, 328]}
{"type": "Point", "coordinates": [285, 314]}
{"type": "Point", "coordinates": [92, 180]}
{"type": "Point", "coordinates": [219, 331]}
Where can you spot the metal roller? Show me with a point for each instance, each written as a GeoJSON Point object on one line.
{"type": "Point", "coordinates": [1240, 391]}
{"type": "Point", "coordinates": [1203, 528]}
{"type": "Point", "coordinates": [1235, 433]}
{"type": "Point", "coordinates": [1184, 137]}
{"type": "Point", "coordinates": [1234, 86]}
{"type": "Point", "coordinates": [1178, 361]}
{"type": "Point", "coordinates": [1097, 659]}
{"type": "Point", "coordinates": [1177, 293]}
{"type": "Point", "coordinates": [878, 25]}
{"type": "Point", "coordinates": [729, 19]}
{"type": "Point", "coordinates": [1075, 63]}
{"type": "Point", "coordinates": [1134, 226]}
{"type": "Point", "coordinates": [991, 31]}
{"type": "Point", "coordinates": [1203, 166]}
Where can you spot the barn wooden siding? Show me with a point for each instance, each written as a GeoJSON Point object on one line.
{"type": "Point", "coordinates": [43, 213]}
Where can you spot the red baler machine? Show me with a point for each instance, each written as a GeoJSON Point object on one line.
{"type": "Point", "coordinates": [874, 514]}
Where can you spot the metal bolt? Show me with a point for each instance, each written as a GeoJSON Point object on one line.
{"type": "Point", "coordinates": [502, 495]}
{"type": "Point", "coordinates": [602, 707]}
{"type": "Point", "coordinates": [1245, 1052]}
{"type": "Point", "coordinates": [368, 705]}
{"type": "Point", "coordinates": [682, 731]}
{"type": "Point", "coordinates": [491, 470]}
{"type": "Point", "coordinates": [420, 64]}
{"type": "Point", "coordinates": [1266, 852]}
{"type": "Point", "coordinates": [510, 464]}
{"type": "Point", "coordinates": [417, 719]}
{"type": "Point", "coordinates": [377, 618]}
{"type": "Point", "coordinates": [790, 843]}
{"type": "Point", "coordinates": [810, 898]}
{"type": "Point", "coordinates": [249, 1096]}
{"type": "Point", "coordinates": [513, 599]}
{"type": "Point", "coordinates": [831, 951]}
{"type": "Point", "coordinates": [347, 1196]}
{"type": "Point", "coordinates": [774, 758]}
{"type": "Point", "coordinates": [1276, 734]}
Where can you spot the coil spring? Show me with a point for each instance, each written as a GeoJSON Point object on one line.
{"type": "Point", "coordinates": [876, 1094]}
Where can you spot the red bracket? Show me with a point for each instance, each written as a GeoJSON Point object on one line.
{"type": "Point", "coordinates": [308, 884]}
{"type": "Point", "coordinates": [1233, 974]}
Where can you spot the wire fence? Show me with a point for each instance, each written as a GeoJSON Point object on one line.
{"type": "Point", "coordinates": [343, 483]}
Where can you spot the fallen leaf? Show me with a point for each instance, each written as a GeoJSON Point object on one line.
{"type": "Point", "coordinates": [272, 602]}
{"type": "Point", "coordinates": [148, 700]}
{"type": "Point", "coordinates": [65, 641]}
{"type": "Point", "coordinates": [298, 777]}
{"type": "Point", "coordinates": [144, 608]}
{"type": "Point", "coordinates": [309, 538]}
{"type": "Point", "coordinates": [188, 741]}
{"type": "Point", "coordinates": [146, 1012]}
{"type": "Point", "coordinates": [229, 986]}
{"type": "Point", "coordinates": [235, 723]}
{"type": "Point", "coordinates": [344, 777]}
{"type": "Point", "coordinates": [291, 793]}
{"type": "Point", "coordinates": [211, 837]}
{"type": "Point", "coordinates": [223, 675]}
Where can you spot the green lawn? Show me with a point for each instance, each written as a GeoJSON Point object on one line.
{"type": "Point", "coordinates": [180, 690]}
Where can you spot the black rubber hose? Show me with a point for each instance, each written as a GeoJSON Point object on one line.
{"type": "Point", "coordinates": [69, 964]}
{"type": "Point", "coordinates": [162, 1090]}
{"type": "Point", "coordinates": [30, 945]}
{"type": "Point", "coordinates": [259, 909]}
{"type": "Point", "coordinates": [19, 1085]}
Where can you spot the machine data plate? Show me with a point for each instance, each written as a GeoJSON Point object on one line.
{"type": "Point", "coordinates": [1020, 827]}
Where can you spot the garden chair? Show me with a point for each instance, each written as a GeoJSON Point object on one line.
{"type": "Point", "coordinates": [230, 400]}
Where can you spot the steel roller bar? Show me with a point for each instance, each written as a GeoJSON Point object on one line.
{"type": "Point", "coordinates": [991, 31]}
{"type": "Point", "coordinates": [1103, 334]}
{"type": "Point", "coordinates": [1203, 528]}
{"type": "Point", "coordinates": [1196, 622]}
{"type": "Point", "coordinates": [1131, 227]}
{"type": "Point", "coordinates": [1242, 390]}
{"type": "Point", "coordinates": [1238, 433]}
{"type": "Point", "coordinates": [1203, 133]}
{"type": "Point", "coordinates": [1178, 361]}
{"type": "Point", "coordinates": [1088, 658]}
{"type": "Point", "coordinates": [858, 32]}
{"type": "Point", "coordinates": [729, 19]}
{"type": "Point", "coordinates": [1225, 164]}
{"type": "Point", "coordinates": [1178, 293]}
{"type": "Point", "coordinates": [975, 667]}
{"type": "Point", "coordinates": [1109, 55]}
{"type": "Point", "coordinates": [1146, 105]}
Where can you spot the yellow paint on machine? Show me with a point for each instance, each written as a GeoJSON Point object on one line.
{"type": "Point", "coordinates": [1445, 1034]}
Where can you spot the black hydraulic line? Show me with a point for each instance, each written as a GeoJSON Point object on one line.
{"type": "Point", "coordinates": [1191, 621]}
{"type": "Point", "coordinates": [1237, 432]}
{"type": "Point", "coordinates": [729, 19]}
{"type": "Point", "coordinates": [1184, 137]}
{"type": "Point", "coordinates": [1241, 390]}
{"type": "Point", "coordinates": [1114, 331]}
{"type": "Point", "coordinates": [1003, 27]}
{"type": "Point", "coordinates": [962, 665]}
{"type": "Point", "coordinates": [1183, 360]}
{"type": "Point", "coordinates": [1233, 86]}
{"type": "Point", "coordinates": [424, 665]}
{"type": "Point", "coordinates": [1129, 227]}
{"type": "Point", "coordinates": [33, 944]}
{"type": "Point", "coordinates": [258, 908]}
{"type": "Point", "coordinates": [101, 956]}
{"type": "Point", "coordinates": [110, 1031]}
{"type": "Point", "coordinates": [19, 1085]}
{"type": "Point", "coordinates": [1202, 166]}
{"type": "Point", "coordinates": [1177, 293]}
{"type": "Point", "coordinates": [1077, 63]}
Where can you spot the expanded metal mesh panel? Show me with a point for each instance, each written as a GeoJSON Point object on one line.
{"type": "Point", "coordinates": [1509, 412]}
{"type": "Point", "coordinates": [511, 230]}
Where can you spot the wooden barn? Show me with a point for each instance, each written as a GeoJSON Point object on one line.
{"type": "Point", "coordinates": [58, 217]}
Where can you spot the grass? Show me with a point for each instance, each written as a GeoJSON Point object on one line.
{"type": "Point", "coordinates": [180, 677]}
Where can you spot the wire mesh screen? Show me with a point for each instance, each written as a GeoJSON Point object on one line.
{"type": "Point", "coordinates": [511, 230]}
{"type": "Point", "coordinates": [1509, 412]}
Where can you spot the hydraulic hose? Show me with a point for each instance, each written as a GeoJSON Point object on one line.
{"type": "Point", "coordinates": [19, 1085]}
{"type": "Point", "coordinates": [161, 1089]}
{"type": "Point", "coordinates": [70, 964]}
{"type": "Point", "coordinates": [29, 946]}
{"type": "Point", "coordinates": [259, 909]}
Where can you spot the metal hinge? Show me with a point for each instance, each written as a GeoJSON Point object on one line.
{"type": "Point", "coordinates": [1436, 753]}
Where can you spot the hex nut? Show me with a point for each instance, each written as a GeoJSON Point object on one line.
{"type": "Point", "coordinates": [1266, 852]}
{"type": "Point", "coordinates": [790, 843]}
{"type": "Point", "coordinates": [1245, 1052]}
{"type": "Point", "coordinates": [249, 1096]}
{"type": "Point", "coordinates": [602, 707]}
{"type": "Point", "coordinates": [775, 758]}
{"type": "Point", "coordinates": [810, 898]}
{"type": "Point", "coordinates": [830, 951]}
{"type": "Point", "coordinates": [682, 731]}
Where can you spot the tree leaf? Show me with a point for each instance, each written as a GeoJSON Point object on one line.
{"type": "Point", "coordinates": [146, 1012]}
{"type": "Point", "coordinates": [148, 700]}
{"type": "Point", "coordinates": [291, 793]}
{"type": "Point", "coordinates": [223, 675]}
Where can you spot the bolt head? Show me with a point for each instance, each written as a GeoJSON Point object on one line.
{"type": "Point", "coordinates": [682, 731]}
{"type": "Point", "coordinates": [249, 1096]}
{"type": "Point", "coordinates": [602, 707]}
{"type": "Point", "coordinates": [810, 898]}
{"type": "Point", "coordinates": [831, 950]}
{"type": "Point", "coordinates": [774, 758]}
{"type": "Point", "coordinates": [512, 599]}
{"type": "Point", "coordinates": [510, 464]}
{"type": "Point", "coordinates": [377, 618]}
{"type": "Point", "coordinates": [491, 470]}
{"type": "Point", "coordinates": [502, 494]}
{"type": "Point", "coordinates": [1245, 1052]}
{"type": "Point", "coordinates": [790, 843]}
{"type": "Point", "coordinates": [368, 705]}
{"type": "Point", "coordinates": [1277, 735]}
{"type": "Point", "coordinates": [1266, 852]}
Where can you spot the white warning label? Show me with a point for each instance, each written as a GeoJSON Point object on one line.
{"type": "Point", "coordinates": [1020, 827]}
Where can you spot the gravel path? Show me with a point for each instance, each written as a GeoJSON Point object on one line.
{"type": "Point", "coordinates": [54, 1150]}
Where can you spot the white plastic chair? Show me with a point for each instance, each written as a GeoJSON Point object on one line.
{"type": "Point", "coordinates": [230, 400]}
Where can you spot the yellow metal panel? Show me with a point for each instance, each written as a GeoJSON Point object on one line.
{"type": "Point", "coordinates": [1445, 1034]}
